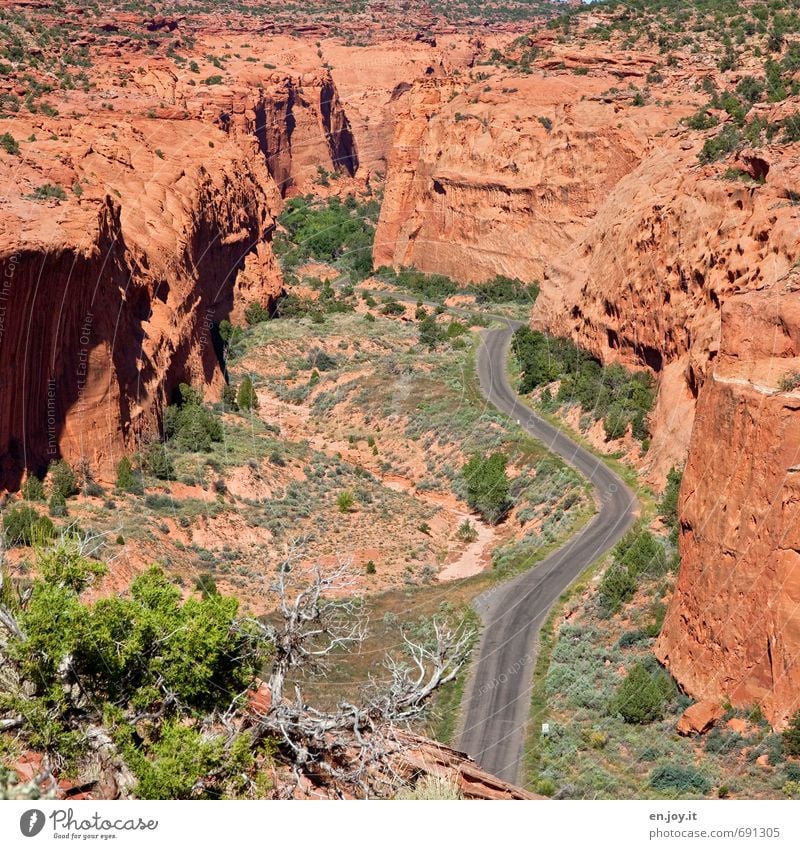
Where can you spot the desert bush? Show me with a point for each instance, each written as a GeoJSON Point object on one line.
{"type": "Point", "coordinates": [159, 463]}
{"type": "Point", "coordinates": [22, 525]}
{"type": "Point", "coordinates": [188, 424]}
{"type": "Point", "coordinates": [488, 485]}
{"type": "Point", "coordinates": [9, 144]}
{"type": "Point", "coordinates": [246, 397]}
{"type": "Point", "coordinates": [345, 501]}
{"type": "Point", "coordinates": [683, 779]}
{"type": "Point", "coordinates": [641, 696]}
{"type": "Point", "coordinates": [33, 489]}
{"type": "Point", "coordinates": [466, 532]}
{"type": "Point", "coordinates": [62, 479]}
{"type": "Point", "coordinates": [791, 736]}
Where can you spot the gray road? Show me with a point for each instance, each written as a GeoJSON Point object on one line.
{"type": "Point", "coordinates": [498, 696]}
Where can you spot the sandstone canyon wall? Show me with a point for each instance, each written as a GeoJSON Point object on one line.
{"type": "Point", "coordinates": [733, 628]}
{"type": "Point", "coordinates": [110, 300]}
{"type": "Point", "coordinates": [500, 177]}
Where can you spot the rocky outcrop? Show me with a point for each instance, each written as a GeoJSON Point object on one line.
{"type": "Point", "coordinates": [732, 630]}
{"type": "Point", "coordinates": [700, 717]}
{"type": "Point", "coordinates": [502, 178]}
{"type": "Point", "coordinates": [671, 243]}
{"type": "Point", "coordinates": [110, 299]}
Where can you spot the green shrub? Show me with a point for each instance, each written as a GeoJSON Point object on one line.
{"type": "Point", "coordinates": [613, 393]}
{"type": "Point", "coordinates": [789, 382]}
{"type": "Point", "coordinates": [127, 481]}
{"type": "Point", "coordinates": [62, 479]}
{"type": "Point", "coordinates": [791, 736]}
{"type": "Point", "coordinates": [48, 191]}
{"type": "Point", "coordinates": [24, 526]}
{"type": "Point", "coordinates": [254, 313]}
{"type": "Point", "coordinates": [9, 144]}
{"type": "Point", "coordinates": [702, 120]}
{"type": "Point", "coordinates": [726, 141]}
{"type": "Point", "coordinates": [683, 779]}
{"type": "Point", "coordinates": [159, 463]}
{"type": "Point", "coordinates": [501, 290]}
{"type": "Point", "coordinates": [488, 486]}
{"type": "Point", "coordinates": [188, 424]}
{"type": "Point", "coordinates": [467, 532]}
{"type": "Point", "coordinates": [57, 505]}
{"type": "Point", "coordinates": [33, 489]}
{"type": "Point", "coordinates": [228, 398]}
{"type": "Point", "coordinates": [617, 587]}
{"type": "Point", "coordinates": [370, 568]}
{"type": "Point", "coordinates": [246, 397]}
{"type": "Point", "coordinates": [668, 506]}
{"type": "Point", "coordinates": [431, 333]}
{"type": "Point", "coordinates": [345, 501]}
{"type": "Point", "coordinates": [641, 696]}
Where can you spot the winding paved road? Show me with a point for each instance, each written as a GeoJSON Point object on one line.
{"type": "Point", "coordinates": [497, 701]}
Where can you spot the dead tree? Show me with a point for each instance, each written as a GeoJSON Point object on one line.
{"type": "Point", "coordinates": [351, 746]}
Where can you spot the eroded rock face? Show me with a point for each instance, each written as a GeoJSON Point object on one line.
{"type": "Point", "coordinates": [646, 281]}
{"type": "Point", "coordinates": [733, 629]}
{"type": "Point", "coordinates": [110, 300]}
{"type": "Point", "coordinates": [503, 176]}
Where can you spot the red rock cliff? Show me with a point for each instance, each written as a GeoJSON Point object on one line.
{"type": "Point", "coordinates": [109, 301]}
{"type": "Point", "coordinates": [733, 627]}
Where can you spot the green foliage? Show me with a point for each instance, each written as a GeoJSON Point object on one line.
{"type": "Point", "coordinates": [9, 144]}
{"type": "Point", "coordinates": [148, 652]}
{"type": "Point", "coordinates": [392, 307]}
{"type": "Point", "coordinates": [22, 525]}
{"type": "Point", "coordinates": [228, 398]}
{"type": "Point", "coordinates": [254, 313]}
{"type": "Point", "coordinates": [329, 231]}
{"type": "Point", "coordinates": [63, 565]}
{"type": "Point", "coordinates": [57, 505]}
{"type": "Point", "coordinates": [33, 489]}
{"type": "Point", "coordinates": [188, 424]}
{"type": "Point", "coordinates": [683, 779]}
{"type": "Point", "coordinates": [171, 766]}
{"type": "Point", "coordinates": [431, 333]}
{"type": "Point", "coordinates": [621, 398]}
{"type": "Point", "coordinates": [48, 191]}
{"type": "Point", "coordinates": [791, 736]}
{"type": "Point", "coordinates": [467, 532]}
{"type": "Point", "coordinates": [668, 506]}
{"type": "Point", "coordinates": [701, 120]}
{"type": "Point", "coordinates": [638, 553]}
{"type": "Point", "coordinates": [370, 568]}
{"type": "Point", "coordinates": [617, 587]}
{"type": "Point", "coordinates": [641, 695]}
{"type": "Point", "coordinates": [246, 397]}
{"type": "Point", "coordinates": [791, 127]}
{"type": "Point", "coordinates": [501, 290]}
{"type": "Point", "coordinates": [345, 501]}
{"type": "Point", "coordinates": [725, 142]}
{"type": "Point", "coordinates": [214, 79]}
{"type": "Point", "coordinates": [789, 382]}
{"type": "Point", "coordinates": [488, 485]}
{"type": "Point", "coordinates": [127, 481]}
{"type": "Point", "coordinates": [62, 479]}
{"type": "Point", "coordinates": [750, 89]}
{"type": "Point", "coordinates": [206, 585]}
{"type": "Point", "coordinates": [159, 463]}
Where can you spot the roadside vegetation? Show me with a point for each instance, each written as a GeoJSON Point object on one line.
{"type": "Point", "coordinates": [623, 399]}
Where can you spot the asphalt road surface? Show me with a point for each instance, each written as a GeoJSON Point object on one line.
{"type": "Point", "coordinates": [497, 700]}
